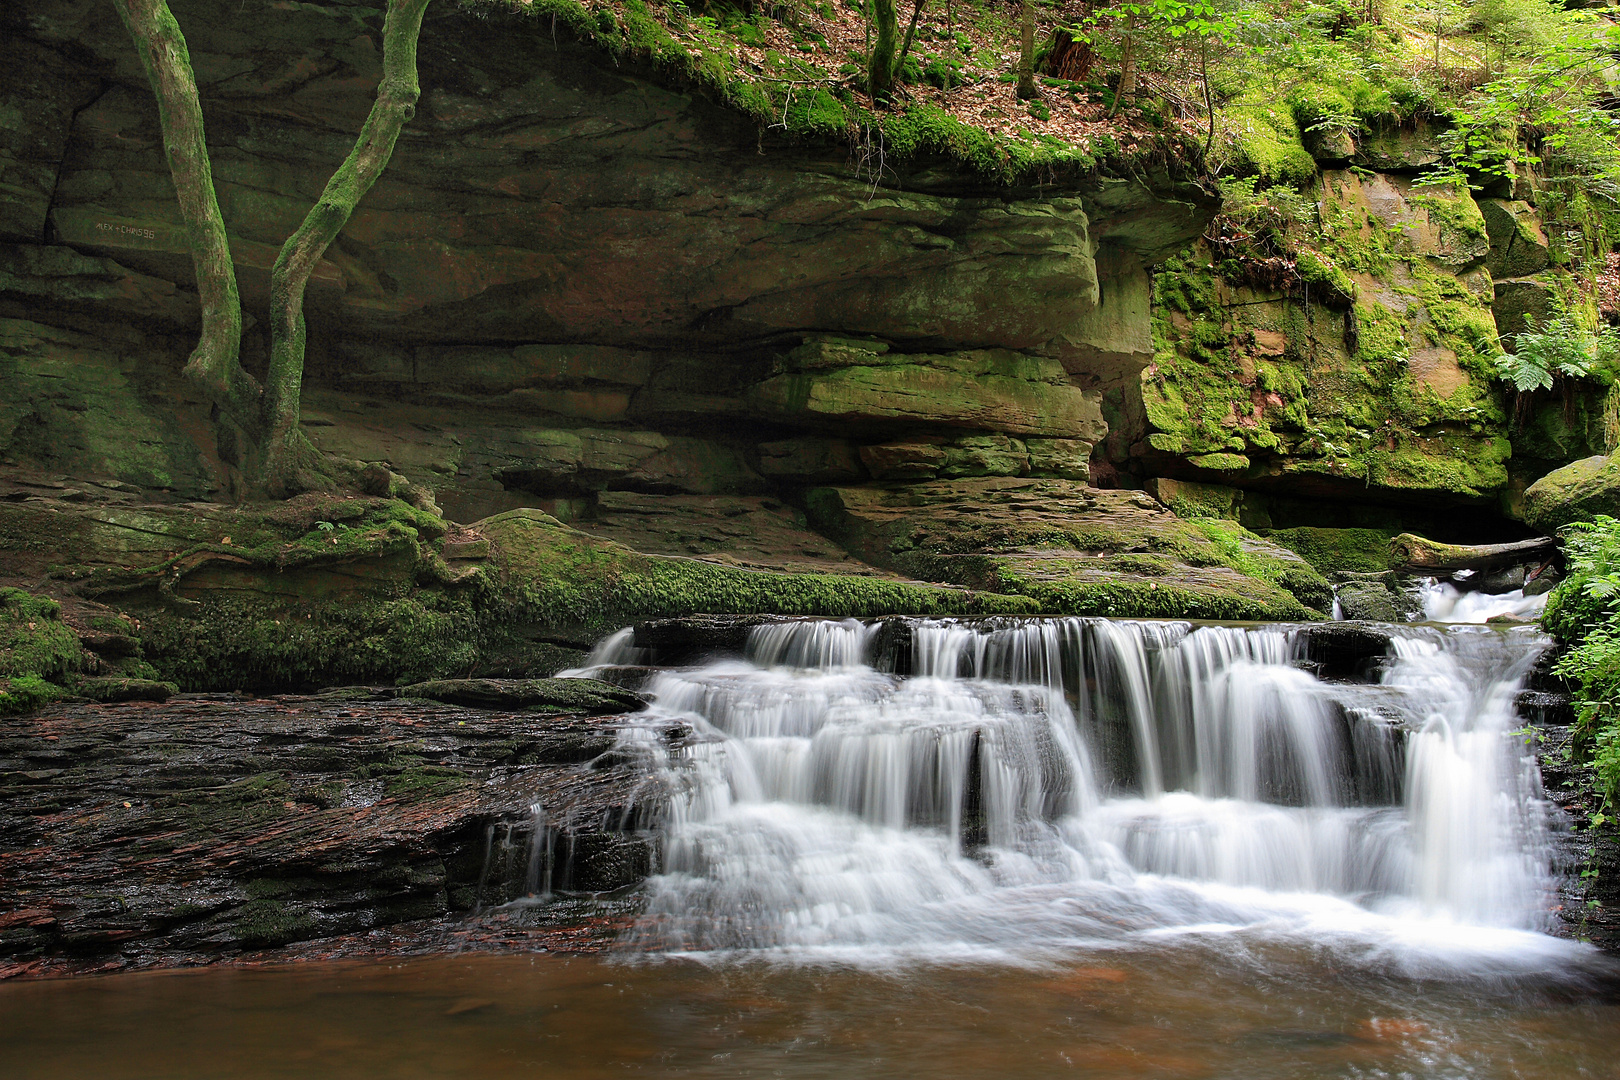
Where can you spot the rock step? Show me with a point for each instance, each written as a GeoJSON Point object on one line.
{"type": "Point", "coordinates": [560, 696]}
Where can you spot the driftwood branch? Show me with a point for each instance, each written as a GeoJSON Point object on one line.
{"type": "Point", "coordinates": [1414, 554]}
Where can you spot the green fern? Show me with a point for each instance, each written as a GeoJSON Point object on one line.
{"type": "Point", "coordinates": [1563, 347]}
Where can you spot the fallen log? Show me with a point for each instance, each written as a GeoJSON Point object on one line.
{"type": "Point", "coordinates": [1414, 554]}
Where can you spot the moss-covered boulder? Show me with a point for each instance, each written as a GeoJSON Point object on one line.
{"type": "Point", "coordinates": [564, 584]}
{"type": "Point", "coordinates": [38, 652]}
{"type": "Point", "coordinates": [574, 697]}
{"type": "Point", "coordinates": [1518, 242]}
{"type": "Point", "coordinates": [1376, 598]}
{"type": "Point", "coordinates": [1365, 362]}
{"type": "Point", "coordinates": [1577, 492]}
{"type": "Point", "coordinates": [1332, 551]}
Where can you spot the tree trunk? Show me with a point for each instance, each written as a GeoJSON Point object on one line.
{"type": "Point", "coordinates": [1414, 553]}
{"type": "Point", "coordinates": [880, 70]}
{"type": "Point", "coordinates": [1026, 54]}
{"type": "Point", "coordinates": [1209, 100]}
{"type": "Point", "coordinates": [215, 365]}
{"type": "Point", "coordinates": [1127, 66]}
{"type": "Point", "coordinates": [911, 34]}
{"type": "Point", "coordinates": [291, 460]}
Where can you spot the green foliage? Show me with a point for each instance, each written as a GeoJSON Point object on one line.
{"type": "Point", "coordinates": [1564, 347]}
{"type": "Point", "coordinates": [1585, 610]}
{"type": "Point", "coordinates": [1589, 596]}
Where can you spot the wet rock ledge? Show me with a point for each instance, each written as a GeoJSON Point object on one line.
{"type": "Point", "coordinates": [147, 834]}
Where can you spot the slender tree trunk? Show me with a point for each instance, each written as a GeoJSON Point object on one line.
{"type": "Point", "coordinates": [215, 365]}
{"type": "Point", "coordinates": [1026, 54]}
{"type": "Point", "coordinates": [880, 71]}
{"type": "Point", "coordinates": [290, 456]}
{"type": "Point", "coordinates": [1209, 99]}
{"type": "Point", "coordinates": [911, 34]}
{"type": "Point", "coordinates": [1127, 66]}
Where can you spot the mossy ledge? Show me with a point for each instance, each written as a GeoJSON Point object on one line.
{"type": "Point", "coordinates": [328, 590]}
{"type": "Point", "coordinates": [331, 590]}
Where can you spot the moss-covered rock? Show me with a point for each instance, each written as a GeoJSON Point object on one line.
{"type": "Point", "coordinates": [1332, 551]}
{"type": "Point", "coordinates": [570, 696]}
{"type": "Point", "coordinates": [1372, 366]}
{"type": "Point", "coordinates": [1376, 599]}
{"type": "Point", "coordinates": [578, 588]}
{"type": "Point", "coordinates": [1576, 492]}
{"type": "Point", "coordinates": [1072, 549]}
{"type": "Point", "coordinates": [39, 654]}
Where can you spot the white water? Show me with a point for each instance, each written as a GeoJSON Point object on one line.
{"type": "Point", "coordinates": [1042, 785]}
{"type": "Point", "coordinates": [1444, 602]}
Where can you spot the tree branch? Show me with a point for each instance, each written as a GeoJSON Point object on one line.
{"type": "Point", "coordinates": [289, 452]}
{"type": "Point", "coordinates": [215, 364]}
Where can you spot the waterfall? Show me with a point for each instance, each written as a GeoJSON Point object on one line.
{"type": "Point", "coordinates": [1444, 602]}
{"type": "Point", "coordinates": [1038, 783]}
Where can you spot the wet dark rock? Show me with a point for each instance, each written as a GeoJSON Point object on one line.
{"type": "Point", "coordinates": [1589, 856]}
{"type": "Point", "coordinates": [1542, 676]}
{"type": "Point", "coordinates": [147, 834]}
{"type": "Point", "coordinates": [1542, 580]}
{"type": "Point", "coordinates": [1376, 598]}
{"type": "Point", "coordinates": [1542, 708]}
{"type": "Point", "coordinates": [1505, 579]}
{"type": "Point", "coordinates": [579, 696]}
{"type": "Point", "coordinates": [1345, 650]}
{"type": "Point", "coordinates": [892, 650]}
{"type": "Point", "coordinates": [698, 637]}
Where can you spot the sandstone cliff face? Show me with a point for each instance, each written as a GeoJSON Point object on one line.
{"type": "Point", "coordinates": [573, 277]}
{"type": "Point", "coordinates": [1370, 375]}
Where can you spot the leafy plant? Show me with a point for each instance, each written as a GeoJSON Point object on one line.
{"type": "Point", "coordinates": [1564, 347]}
{"type": "Point", "coordinates": [1585, 610]}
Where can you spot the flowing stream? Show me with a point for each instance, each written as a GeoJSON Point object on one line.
{"type": "Point", "coordinates": [1029, 787]}
{"type": "Point", "coordinates": [983, 849]}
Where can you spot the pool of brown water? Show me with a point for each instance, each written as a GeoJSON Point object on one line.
{"type": "Point", "coordinates": [1207, 1009]}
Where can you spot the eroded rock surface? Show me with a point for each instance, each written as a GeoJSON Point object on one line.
{"type": "Point", "coordinates": [575, 276]}
{"type": "Point", "coordinates": [152, 834]}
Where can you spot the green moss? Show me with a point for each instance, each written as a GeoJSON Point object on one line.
{"type": "Point", "coordinates": [1128, 599]}
{"type": "Point", "coordinates": [1269, 145]}
{"type": "Point", "coordinates": [33, 639]}
{"type": "Point", "coordinates": [235, 642]}
{"type": "Point", "coordinates": [271, 923]}
{"type": "Point", "coordinates": [589, 587]}
{"type": "Point", "coordinates": [425, 782]}
{"type": "Point", "coordinates": [1332, 550]}
{"type": "Point", "coordinates": [25, 693]}
{"type": "Point", "coordinates": [1148, 565]}
{"type": "Point", "coordinates": [253, 800]}
{"type": "Point", "coordinates": [1321, 272]}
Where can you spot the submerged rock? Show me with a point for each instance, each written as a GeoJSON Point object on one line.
{"type": "Point", "coordinates": [1376, 598]}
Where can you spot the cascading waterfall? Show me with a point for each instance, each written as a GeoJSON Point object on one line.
{"type": "Point", "coordinates": [1042, 783]}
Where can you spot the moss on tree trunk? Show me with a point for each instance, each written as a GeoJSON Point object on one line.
{"type": "Point", "coordinates": [292, 464]}
{"type": "Point", "coordinates": [214, 365]}
{"type": "Point", "coordinates": [880, 68]}
{"type": "Point", "coordinates": [279, 460]}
